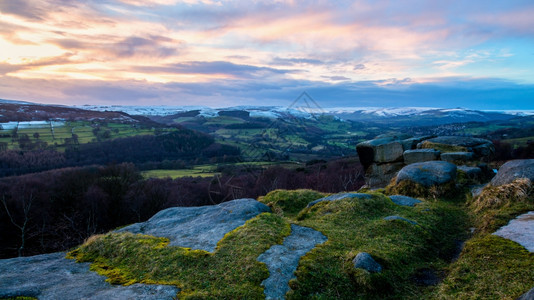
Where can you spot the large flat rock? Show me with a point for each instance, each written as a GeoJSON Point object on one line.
{"type": "Point", "coordinates": [52, 276]}
{"type": "Point", "coordinates": [201, 227]}
{"type": "Point", "coordinates": [520, 230]}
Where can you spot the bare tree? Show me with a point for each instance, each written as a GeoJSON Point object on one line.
{"type": "Point", "coordinates": [26, 207]}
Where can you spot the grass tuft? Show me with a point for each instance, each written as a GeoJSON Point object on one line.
{"type": "Point", "coordinates": [289, 202]}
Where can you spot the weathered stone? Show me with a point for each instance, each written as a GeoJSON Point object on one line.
{"type": "Point", "coordinates": [199, 227]}
{"type": "Point", "coordinates": [282, 260]}
{"type": "Point", "coordinates": [453, 157]}
{"type": "Point", "coordinates": [411, 143]}
{"type": "Point", "coordinates": [379, 175]}
{"type": "Point", "coordinates": [340, 196]}
{"type": "Point", "coordinates": [404, 200]}
{"type": "Point", "coordinates": [520, 230]}
{"type": "Point", "coordinates": [379, 150]}
{"type": "Point", "coordinates": [398, 218]}
{"type": "Point", "coordinates": [420, 155]}
{"type": "Point", "coordinates": [473, 173]}
{"type": "Point", "coordinates": [428, 173]}
{"type": "Point", "coordinates": [365, 261]}
{"type": "Point", "coordinates": [521, 168]}
{"type": "Point", "coordinates": [52, 276]}
{"type": "Point", "coordinates": [477, 190]}
{"type": "Point", "coordinates": [482, 148]}
{"type": "Point", "coordinates": [528, 295]}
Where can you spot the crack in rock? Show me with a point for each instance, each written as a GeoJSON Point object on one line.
{"type": "Point", "coordinates": [282, 260]}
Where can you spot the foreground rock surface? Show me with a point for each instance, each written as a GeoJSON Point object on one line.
{"type": "Point", "coordinates": [428, 173]}
{"type": "Point", "coordinates": [521, 168]}
{"type": "Point", "coordinates": [520, 230]}
{"type": "Point", "coordinates": [282, 260]}
{"type": "Point", "coordinates": [52, 276]}
{"type": "Point", "coordinates": [199, 227]}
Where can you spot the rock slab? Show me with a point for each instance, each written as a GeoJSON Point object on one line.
{"type": "Point", "coordinates": [521, 168]}
{"type": "Point", "coordinates": [404, 200]}
{"type": "Point", "coordinates": [365, 261]}
{"type": "Point", "coordinates": [520, 230]}
{"type": "Point", "coordinates": [528, 295]}
{"type": "Point", "coordinates": [52, 276]}
{"type": "Point", "coordinates": [282, 260]}
{"type": "Point", "coordinates": [420, 155]}
{"type": "Point", "coordinates": [201, 227]}
{"type": "Point", "coordinates": [428, 173]}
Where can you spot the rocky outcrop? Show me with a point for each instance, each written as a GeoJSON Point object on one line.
{"type": "Point", "coordinates": [473, 174]}
{"type": "Point", "coordinates": [457, 157]}
{"type": "Point", "coordinates": [379, 175]}
{"type": "Point", "coordinates": [364, 260]}
{"type": "Point", "coordinates": [420, 155]}
{"type": "Point", "coordinates": [382, 150]}
{"type": "Point", "coordinates": [282, 260]}
{"type": "Point", "coordinates": [52, 276]}
{"type": "Point", "coordinates": [199, 227]}
{"type": "Point", "coordinates": [482, 149]}
{"type": "Point", "coordinates": [514, 169]}
{"type": "Point", "coordinates": [382, 157]}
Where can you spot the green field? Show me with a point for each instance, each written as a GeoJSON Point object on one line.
{"type": "Point", "coordinates": [197, 171]}
{"type": "Point", "coordinates": [57, 134]}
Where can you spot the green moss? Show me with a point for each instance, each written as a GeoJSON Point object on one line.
{"type": "Point", "coordinates": [490, 267]}
{"type": "Point", "coordinates": [289, 202]}
{"type": "Point", "coordinates": [357, 225]}
{"type": "Point", "coordinates": [444, 148]}
{"type": "Point", "coordinates": [19, 298]}
{"type": "Point", "coordinates": [231, 272]}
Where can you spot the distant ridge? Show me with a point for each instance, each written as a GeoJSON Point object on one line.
{"type": "Point", "coordinates": [398, 116]}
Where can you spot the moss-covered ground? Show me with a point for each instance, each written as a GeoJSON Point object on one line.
{"type": "Point", "coordinates": [327, 272]}
{"type": "Point", "coordinates": [489, 267]}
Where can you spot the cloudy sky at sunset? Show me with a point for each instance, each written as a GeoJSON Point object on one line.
{"type": "Point", "coordinates": [474, 54]}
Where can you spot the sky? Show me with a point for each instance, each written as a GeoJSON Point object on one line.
{"type": "Point", "coordinates": [455, 53]}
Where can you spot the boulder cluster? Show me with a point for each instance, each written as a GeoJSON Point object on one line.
{"type": "Point", "coordinates": [386, 155]}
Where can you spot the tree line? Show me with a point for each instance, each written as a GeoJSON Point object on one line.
{"type": "Point", "coordinates": [58, 209]}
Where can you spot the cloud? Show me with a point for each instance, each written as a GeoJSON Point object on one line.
{"type": "Point", "coordinates": [294, 61]}
{"type": "Point", "coordinates": [237, 51]}
{"type": "Point", "coordinates": [215, 67]}
{"type": "Point", "coordinates": [336, 78]}
{"type": "Point", "coordinates": [22, 8]}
